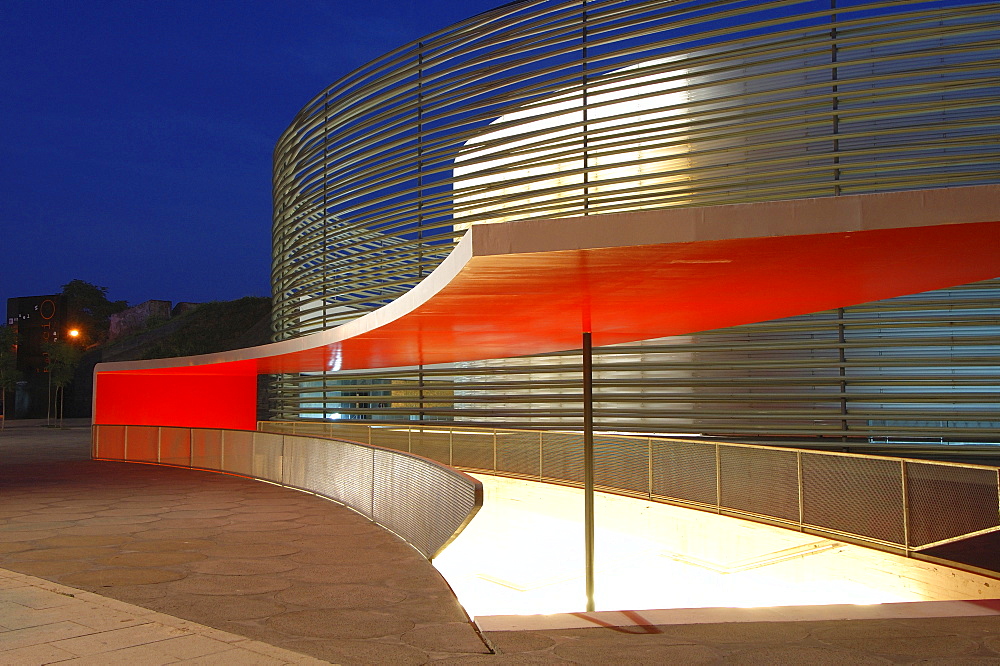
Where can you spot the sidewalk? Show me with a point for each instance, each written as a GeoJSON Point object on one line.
{"type": "Point", "coordinates": [45, 623]}
{"type": "Point", "coordinates": [252, 559]}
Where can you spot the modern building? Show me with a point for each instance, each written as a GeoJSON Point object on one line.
{"type": "Point", "coordinates": [770, 221]}
{"type": "Point", "coordinates": [552, 110]}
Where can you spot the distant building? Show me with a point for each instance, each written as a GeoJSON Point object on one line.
{"type": "Point", "coordinates": [36, 320]}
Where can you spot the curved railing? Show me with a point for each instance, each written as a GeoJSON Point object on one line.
{"type": "Point", "coordinates": [549, 108]}
{"type": "Point", "coordinates": [424, 502]}
{"type": "Point", "coordinates": [893, 504]}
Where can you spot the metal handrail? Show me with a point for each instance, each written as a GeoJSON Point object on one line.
{"type": "Point", "coordinates": [899, 505]}
{"type": "Point", "coordinates": [423, 501]}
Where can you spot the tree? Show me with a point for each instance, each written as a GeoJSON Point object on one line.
{"type": "Point", "coordinates": [89, 309]}
{"type": "Point", "coordinates": [62, 359]}
{"type": "Point", "coordinates": [9, 374]}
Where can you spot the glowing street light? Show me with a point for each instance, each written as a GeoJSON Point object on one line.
{"type": "Point", "coordinates": [74, 333]}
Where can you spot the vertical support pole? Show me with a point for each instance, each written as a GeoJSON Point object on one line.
{"type": "Point", "coordinates": [540, 461]}
{"type": "Point", "coordinates": [718, 479]}
{"type": "Point", "coordinates": [371, 506]}
{"type": "Point", "coordinates": [798, 466]}
{"type": "Point", "coordinates": [588, 467]}
{"type": "Point", "coordinates": [649, 467]}
{"type": "Point", "coordinates": [906, 506]}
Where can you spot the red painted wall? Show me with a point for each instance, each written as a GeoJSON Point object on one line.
{"type": "Point", "coordinates": [192, 400]}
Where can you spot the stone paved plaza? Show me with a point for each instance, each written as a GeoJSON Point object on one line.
{"type": "Point", "coordinates": [113, 562]}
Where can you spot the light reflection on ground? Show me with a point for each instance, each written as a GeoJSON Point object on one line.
{"type": "Point", "coordinates": [523, 554]}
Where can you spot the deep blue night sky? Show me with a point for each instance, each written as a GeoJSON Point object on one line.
{"type": "Point", "coordinates": [137, 136]}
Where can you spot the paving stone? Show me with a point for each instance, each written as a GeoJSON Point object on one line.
{"type": "Point", "coordinates": [54, 569]}
{"type": "Point", "coordinates": [47, 633]}
{"type": "Point", "coordinates": [68, 553]}
{"type": "Point", "coordinates": [141, 510]}
{"type": "Point", "coordinates": [264, 517]}
{"type": "Point", "coordinates": [542, 659]}
{"type": "Point", "coordinates": [237, 551]}
{"type": "Point", "coordinates": [33, 654]}
{"type": "Point", "coordinates": [242, 567]}
{"type": "Point", "coordinates": [168, 545]}
{"type": "Point", "coordinates": [266, 537]}
{"type": "Point", "coordinates": [341, 596]}
{"type": "Point", "coordinates": [264, 527]}
{"type": "Point", "coordinates": [146, 655]}
{"type": "Point", "coordinates": [371, 652]}
{"type": "Point", "coordinates": [794, 654]}
{"type": "Point", "coordinates": [909, 646]}
{"type": "Point", "coordinates": [332, 573]}
{"type": "Point", "coordinates": [332, 623]}
{"type": "Point", "coordinates": [520, 641]}
{"type": "Point", "coordinates": [122, 520]}
{"type": "Point", "coordinates": [651, 654]}
{"type": "Point", "coordinates": [430, 608]}
{"type": "Point", "coordinates": [205, 608]}
{"type": "Point", "coordinates": [20, 536]}
{"type": "Point", "coordinates": [88, 529]}
{"type": "Point", "coordinates": [150, 559]}
{"type": "Point", "coordinates": [115, 577]}
{"type": "Point", "coordinates": [190, 523]}
{"type": "Point", "coordinates": [742, 632]}
{"type": "Point", "coordinates": [451, 637]}
{"type": "Point", "coordinates": [34, 597]}
{"type": "Point", "coordinates": [82, 540]}
{"type": "Point", "coordinates": [229, 585]}
{"type": "Point", "coordinates": [33, 524]}
{"type": "Point", "coordinates": [176, 534]}
{"type": "Point", "coordinates": [192, 514]}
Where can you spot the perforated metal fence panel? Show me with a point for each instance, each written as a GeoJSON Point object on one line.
{"type": "Point", "coordinates": [310, 428]}
{"type": "Point", "coordinates": [518, 453]}
{"type": "Point", "coordinates": [237, 452]}
{"type": "Point", "coordinates": [110, 442]}
{"type": "Point", "coordinates": [433, 444]}
{"type": "Point", "coordinates": [947, 501]}
{"type": "Point", "coordinates": [684, 471]}
{"type": "Point", "coordinates": [206, 448]}
{"type": "Point", "coordinates": [282, 427]}
{"type": "Point", "coordinates": [142, 443]}
{"type": "Point", "coordinates": [338, 470]}
{"type": "Point", "coordinates": [860, 496]}
{"type": "Point", "coordinates": [420, 502]}
{"type": "Point", "coordinates": [175, 446]}
{"type": "Point", "coordinates": [355, 433]}
{"type": "Point", "coordinates": [760, 481]}
{"type": "Point", "coordinates": [472, 450]}
{"type": "Point", "coordinates": [424, 502]}
{"type": "Point", "coordinates": [391, 437]}
{"type": "Point", "coordinates": [267, 455]}
{"type": "Point", "coordinates": [562, 457]}
{"type": "Point", "coordinates": [622, 463]}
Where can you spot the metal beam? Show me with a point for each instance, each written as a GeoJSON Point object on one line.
{"type": "Point", "coordinates": [588, 468]}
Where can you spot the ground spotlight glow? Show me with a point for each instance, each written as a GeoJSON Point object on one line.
{"type": "Point", "coordinates": [523, 554]}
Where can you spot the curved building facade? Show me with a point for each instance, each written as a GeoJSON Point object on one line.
{"type": "Point", "coordinates": [547, 109]}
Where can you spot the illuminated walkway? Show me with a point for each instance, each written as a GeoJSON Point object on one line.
{"type": "Point", "coordinates": [523, 554]}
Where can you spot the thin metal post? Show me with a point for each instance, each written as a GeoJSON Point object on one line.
{"type": "Point", "coordinates": [798, 466]}
{"type": "Point", "coordinates": [906, 506]}
{"type": "Point", "coordinates": [588, 467]}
